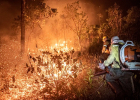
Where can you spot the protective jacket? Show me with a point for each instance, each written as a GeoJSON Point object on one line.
{"type": "Point", "coordinates": [113, 57]}
{"type": "Point", "coordinates": [106, 46]}
{"type": "Point", "coordinates": [122, 86]}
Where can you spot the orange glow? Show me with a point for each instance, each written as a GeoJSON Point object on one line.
{"type": "Point", "coordinates": [50, 70]}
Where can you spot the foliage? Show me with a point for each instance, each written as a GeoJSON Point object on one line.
{"type": "Point", "coordinates": [126, 27]}
{"type": "Point", "coordinates": [92, 32]}
{"type": "Point", "coordinates": [133, 15]}
{"type": "Point", "coordinates": [76, 20]}
{"type": "Point", "coordinates": [57, 75]}
{"type": "Point", "coordinates": [104, 30]}
{"type": "Point", "coordinates": [131, 25]}
{"type": "Point", "coordinates": [89, 77]}
{"type": "Point", "coordinates": [114, 20]}
{"type": "Point", "coordinates": [36, 13]}
{"type": "Point", "coordinates": [57, 70]}
{"type": "Point", "coordinates": [95, 47]}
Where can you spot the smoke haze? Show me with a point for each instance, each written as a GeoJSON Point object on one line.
{"type": "Point", "coordinates": [10, 9]}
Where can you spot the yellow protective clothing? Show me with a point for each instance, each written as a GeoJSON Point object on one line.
{"type": "Point", "coordinates": [113, 57]}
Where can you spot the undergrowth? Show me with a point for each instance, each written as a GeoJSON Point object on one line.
{"type": "Point", "coordinates": [26, 79]}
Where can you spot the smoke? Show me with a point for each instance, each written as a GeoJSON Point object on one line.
{"type": "Point", "coordinates": [54, 31]}
{"type": "Point", "coordinates": [10, 9]}
{"type": "Point", "coordinates": [86, 6]}
{"type": "Point", "coordinates": [8, 12]}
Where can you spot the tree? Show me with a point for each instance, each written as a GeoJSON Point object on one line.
{"type": "Point", "coordinates": [22, 26]}
{"type": "Point", "coordinates": [35, 14]}
{"type": "Point", "coordinates": [76, 20]}
{"type": "Point", "coordinates": [132, 23]}
{"type": "Point", "coordinates": [100, 17]}
{"type": "Point", "coordinates": [103, 30]}
{"type": "Point", "coordinates": [115, 20]}
{"type": "Point", "coordinates": [93, 33]}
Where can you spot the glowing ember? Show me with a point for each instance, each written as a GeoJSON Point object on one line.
{"type": "Point", "coordinates": [45, 68]}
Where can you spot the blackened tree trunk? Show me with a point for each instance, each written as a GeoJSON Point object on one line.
{"type": "Point", "coordinates": [22, 27]}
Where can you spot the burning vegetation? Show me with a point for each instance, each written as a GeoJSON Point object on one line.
{"type": "Point", "coordinates": [54, 73]}
{"type": "Point", "coordinates": [61, 53]}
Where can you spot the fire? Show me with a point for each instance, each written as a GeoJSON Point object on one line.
{"type": "Point", "coordinates": [46, 67]}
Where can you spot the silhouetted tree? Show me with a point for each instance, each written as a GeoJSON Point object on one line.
{"type": "Point", "coordinates": [76, 20]}
{"type": "Point", "coordinates": [36, 12]}
{"type": "Point", "coordinates": [132, 24]}
{"type": "Point", "coordinates": [114, 20]}
{"type": "Point", "coordinates": [22, 26]}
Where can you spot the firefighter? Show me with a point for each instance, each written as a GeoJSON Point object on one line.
{"type": "Point", "coordinates": [105, 49]}
{"type": "Point", "coordinates": [104, 55]}
{"type": "Point", "coordinates": [119, 80]}
{"type": "Point", "coordinates": [106, 45]}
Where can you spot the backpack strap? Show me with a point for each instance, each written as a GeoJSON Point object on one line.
{"type": "Point", "coordinates": [121, 66]}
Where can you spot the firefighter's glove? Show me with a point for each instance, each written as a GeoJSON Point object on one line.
{"type": "Point", "coordinates": [107, 69]}
{"type": "Point", "coordinates": [101, 66]}
{"type": "Point", "coordinates": [101, 60]}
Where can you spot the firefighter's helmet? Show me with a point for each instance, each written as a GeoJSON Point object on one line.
{"type": "Point", "coordinates": [105, 38]}
{"type": "Point", "coordinates": [115, 39]}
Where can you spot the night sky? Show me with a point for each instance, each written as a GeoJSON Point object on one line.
{"type": "Point", "coordinates": [9, 9]}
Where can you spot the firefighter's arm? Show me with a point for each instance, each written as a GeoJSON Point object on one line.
{"type": "Point", "coordinates": [104, 48]}
{"type": "Point", "coordinates": [109, 60]}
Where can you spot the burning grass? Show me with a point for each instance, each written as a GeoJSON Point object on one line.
{"type": "Point", "coordinates": [54, 73]}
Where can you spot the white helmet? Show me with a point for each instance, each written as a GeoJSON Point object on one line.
{"type": "Point", "coordinates": [115, 39]}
